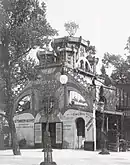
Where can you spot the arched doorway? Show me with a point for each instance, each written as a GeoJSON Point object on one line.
{"type": "Point", "coordinates": [80, 126]}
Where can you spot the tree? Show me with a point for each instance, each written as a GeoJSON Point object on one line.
{"type": "Point", "coordinates": [103, 71]}
{"type": "Point", "coordinates": [71, 28]}
{"type": "Point", "coordinates": [23, 26]}
{"type": "Point", "coordinates": [90, 49]}
{"type": "Point", "coordinates": [107, 79]}
{"type": "Point", "coordinates": [121, 72]}
{"type": "Point", "coordinates": [24, 71]}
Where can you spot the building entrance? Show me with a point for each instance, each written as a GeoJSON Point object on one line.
{"type": "Point", "coordinates": [56, 134]}
{"type": "Point", "coordinates": [80, 125]}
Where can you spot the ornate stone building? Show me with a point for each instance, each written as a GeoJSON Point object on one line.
{"type": "Point", "coordinates": [73, 107]}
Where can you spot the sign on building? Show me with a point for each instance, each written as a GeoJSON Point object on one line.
{"type": "Point", "coordinates": [24, 124]}
{"type": "Point", "coordinates": [77, 99]}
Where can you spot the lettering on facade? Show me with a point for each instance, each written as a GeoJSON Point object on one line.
{"type": "Point", "coordinates": [24, 124]}
{"type": "Point", "coordinates": [23, 120]}
{"type": "Point", "coordinates": [67, 127]}
{"type": "Point", "coordinates": [74, 114]}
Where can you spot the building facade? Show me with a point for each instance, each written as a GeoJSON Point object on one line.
{"type": "Point", "coordinates": [74, 112]}
{"type": "Point", "coordinates": [123, 106]}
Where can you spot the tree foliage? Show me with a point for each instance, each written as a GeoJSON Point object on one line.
{"type": "Point", "coordinates": [121, 71]}
{"type": "Point", "coordinates": [23, 72]}
{"type": "Point", "coordinates": [103, 71]}
{"type": "Point", "coordinates": [23, 26]}
{"type": "Point", "coordinates": [71, 27]}
{"type": "Point", "coordinates": [90, 49]}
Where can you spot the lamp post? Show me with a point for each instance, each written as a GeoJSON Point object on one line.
{"type": "Point", "coordinates": [94, 117]}
{"type": "Point", "coordinates": [63, 81]}
{"type": "Point", "coordinates": [117, 134]}
{"type": "Point", "coordinates": [47, 140]}
{"type": "Point", "coordinates": [1, 133]}
{"type": "Point", "coordinates": [104, 150]}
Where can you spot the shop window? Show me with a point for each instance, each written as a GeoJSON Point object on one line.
{"type": "Point", "coordinates": [80, 125]}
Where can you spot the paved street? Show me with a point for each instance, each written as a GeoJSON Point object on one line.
{"type": "Point", "coordinates": [65, 157]}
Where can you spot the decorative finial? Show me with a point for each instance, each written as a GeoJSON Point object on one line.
{"type": "Point", "coordinates": [71, 28]}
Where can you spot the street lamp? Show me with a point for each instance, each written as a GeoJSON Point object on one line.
{"type": "Point", "coordinates": [102, 104]}
{"type": "Point", "coordinates": [63, 79]}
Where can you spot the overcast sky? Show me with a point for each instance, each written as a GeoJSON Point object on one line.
{"type": "Point", "coordinates": [106, 23]}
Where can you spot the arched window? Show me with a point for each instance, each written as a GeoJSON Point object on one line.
{"type": "Point", "coordinates": [86, 66]}
{"type": "Point", "coordinates": [82, 64]}
{"type": "Point", "coordinates": [23, 104]}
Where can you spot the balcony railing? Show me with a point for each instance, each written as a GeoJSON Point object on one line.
{"type": "Point", "coordinates": [122, 108]}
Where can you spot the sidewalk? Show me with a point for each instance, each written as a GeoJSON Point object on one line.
{"type": "Point", "coordinates": [64, 157]}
